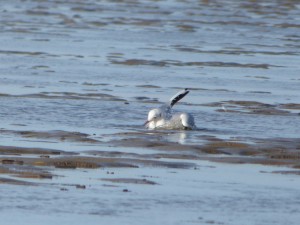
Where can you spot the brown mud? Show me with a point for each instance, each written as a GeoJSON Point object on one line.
{"type": "Point", "coordinates": [273, 151]}
{"type": "Point", "coordinates": [41, 163]}
{"type": "Point", "coordinates": [130, 181]}
{"type": "Point", "coordinates": [58, 135]}
{"type": "Point", "coordinates": [167, 63]}
{"type": "Point", "coordinates": [68, 95]}
{"type": "Point", "coordinates": [254, 107]}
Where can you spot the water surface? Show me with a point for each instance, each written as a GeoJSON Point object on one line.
{"type": "Point", "coordinates": [80, 77]}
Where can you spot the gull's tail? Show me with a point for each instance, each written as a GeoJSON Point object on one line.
{"type": "Point", "coordinates": [178, 96]}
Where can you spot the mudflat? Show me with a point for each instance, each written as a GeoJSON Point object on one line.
{"type": "Point", "coordinates": [77, 80]}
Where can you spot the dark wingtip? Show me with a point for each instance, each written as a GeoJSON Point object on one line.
{"type": "Point", "coordinates": [179, 96]}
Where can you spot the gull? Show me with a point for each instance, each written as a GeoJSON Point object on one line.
{"type": "Point", "coordinates": [162, 117]}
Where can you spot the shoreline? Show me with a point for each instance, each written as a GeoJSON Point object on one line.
{"type": "Point", "coordinates": [41, 163]}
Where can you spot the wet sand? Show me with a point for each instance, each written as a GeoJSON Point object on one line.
{"type": "Point", "coordinates": [112, 181]}
{"type": "Point", "coordinates": [41, 163]}
{"type": "Point", "coordinates": [198, 186]}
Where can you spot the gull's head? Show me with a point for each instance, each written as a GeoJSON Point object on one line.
{"type": "Point", "coordinates": [154, 115]}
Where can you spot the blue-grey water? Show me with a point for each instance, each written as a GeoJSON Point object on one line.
{"type": "Point", "coordinates": [97, 67]}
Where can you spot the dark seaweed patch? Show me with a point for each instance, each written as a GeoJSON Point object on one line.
{"type": "Point", "coordinates": [165, 63]}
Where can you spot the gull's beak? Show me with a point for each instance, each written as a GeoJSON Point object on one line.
{"type": "Point", "coordinates": [146, 123]}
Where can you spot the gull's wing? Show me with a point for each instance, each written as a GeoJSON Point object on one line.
{"type": "Point", "coordinates": [178, 96]}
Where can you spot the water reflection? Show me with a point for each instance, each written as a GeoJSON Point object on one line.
{"type": "Point", "coordinates": [179, 137]}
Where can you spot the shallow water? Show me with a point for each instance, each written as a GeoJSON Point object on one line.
{"type": "Point", "coordinates": [82, 77]}
{"type": "Point", "coordinates": [69, 65]}
{"type": "Point", "coordinates": [215, 193]}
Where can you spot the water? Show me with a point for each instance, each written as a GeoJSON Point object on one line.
{"type": "Point", "coordinates": [98, 67]}
{"type": "Point", "coordinates": [233, 51]}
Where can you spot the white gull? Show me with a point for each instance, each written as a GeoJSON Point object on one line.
{"type": "Point", "coordinates": [162, 117]}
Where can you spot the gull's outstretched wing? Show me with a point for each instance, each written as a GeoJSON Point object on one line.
{"type": "Point", "coordinates": [178, 96]}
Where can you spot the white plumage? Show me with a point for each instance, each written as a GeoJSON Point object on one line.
{"type": "Point", "coordinates": [162, 117]}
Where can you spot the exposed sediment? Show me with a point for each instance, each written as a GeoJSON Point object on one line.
{"type": "Point", "coordinates": [41, 163]}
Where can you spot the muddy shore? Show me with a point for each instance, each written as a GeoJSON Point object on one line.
{"type": "Point", "coordinates": [41, 163]}
{"type": "Point", "coordinates": [77, 79]}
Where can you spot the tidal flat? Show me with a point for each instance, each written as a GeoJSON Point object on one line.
{"type": "Point", "coordinates": [77, 79]}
